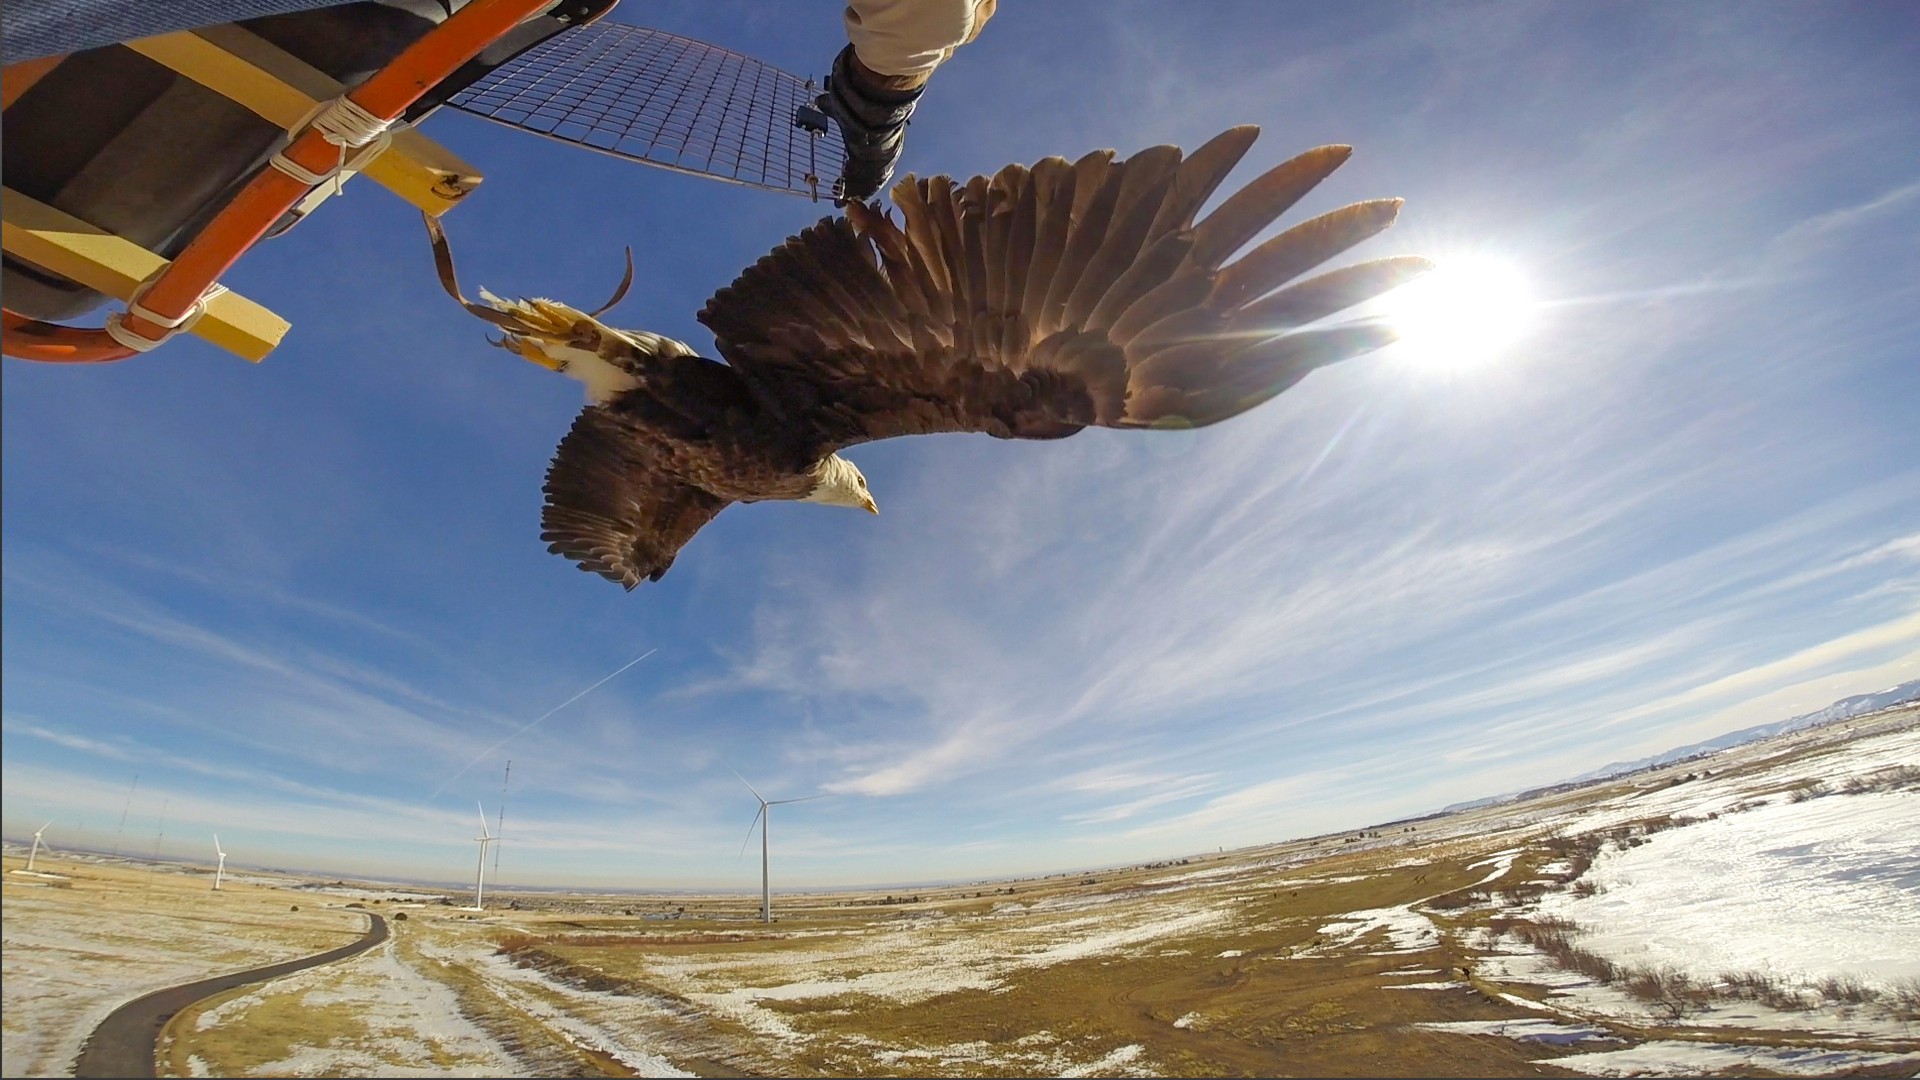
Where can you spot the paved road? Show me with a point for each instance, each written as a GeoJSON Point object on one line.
{"type": "Point", "coordinates": [127, 1042]}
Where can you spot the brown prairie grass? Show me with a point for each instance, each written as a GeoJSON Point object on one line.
{"type": "Point", "coordinates": [276, 1027]}
{"type": "Point", "coordinates": [1258, 995]}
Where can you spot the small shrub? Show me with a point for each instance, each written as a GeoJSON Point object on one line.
{"type": "Point", "coordinates": [295, 907]}
{"type": "Point", "coordinates": [1669, 991]}
{"type": "Point", "coordinates": [1809, 788]}
{"type": "Point", "coordinates": [1892, 778]}
{"type": "Point", "coordinates": [514, 944]}
{"type": "Point", "coordinates": [1523, 894]}
{"type": "Point", "coordinates": [1844, 988]}
{"type": "Point", "coordinates": [1904, 998]}
{"type": "Point", "coordinates": [399, 916]}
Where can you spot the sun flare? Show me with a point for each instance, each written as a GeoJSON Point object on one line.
{"type": "Point", "coordinates": [1463, 313]}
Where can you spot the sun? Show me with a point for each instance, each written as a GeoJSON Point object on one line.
{"type": "Point", "coordinates": [1466, 311]}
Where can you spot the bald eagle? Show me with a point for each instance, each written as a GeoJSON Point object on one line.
{"type": "Point", "coordinates": [1025, 305]}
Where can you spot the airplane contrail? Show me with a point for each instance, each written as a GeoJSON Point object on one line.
{"type": "Point", "coordinates": [536, 721]}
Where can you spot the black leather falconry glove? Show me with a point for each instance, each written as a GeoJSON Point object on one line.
{"type": "Point", "coordinates": [873, 124]}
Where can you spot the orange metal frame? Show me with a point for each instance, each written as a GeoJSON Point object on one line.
{"type": "Point", "coordinates": [268, 195]}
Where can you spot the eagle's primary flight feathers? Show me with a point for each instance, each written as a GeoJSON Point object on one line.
{"type": "Point", "coordinates": [1025, 305]}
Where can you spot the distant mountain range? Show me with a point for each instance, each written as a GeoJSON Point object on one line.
{"type": "Point", "coordinates": [1844, 709]}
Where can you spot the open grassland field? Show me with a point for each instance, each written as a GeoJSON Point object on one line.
{"type": "Point", "coordinates": [1754, 913]}
{"type": "Point", "coordinates": [81, 938]}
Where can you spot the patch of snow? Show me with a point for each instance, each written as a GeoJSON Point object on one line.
{"type": "Point", "coordinates": [1119, 1062]}
{"type": "Point", "coordinates": [408, 1018]}
{"type": "Point", "coordinates": [1525, 1030]}
{"type": "Point", "coordinates": [1676, 1058]}
{"type": "Point", "coordinates": [1501, 861]}
{"type": "Point", "coordinates": [1209, 874]}
{"type": "Point", "coordinates": [1407, 930]}
{"type": "Point", "coordinates": [623, 1027]}
{"type": "Point", "coordinates": [1336, 879]}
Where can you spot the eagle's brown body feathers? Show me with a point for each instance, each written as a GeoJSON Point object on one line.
{"type": "Point", "coordinates": [1026, 305]}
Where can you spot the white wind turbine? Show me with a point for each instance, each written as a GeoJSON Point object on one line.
{"type": "Point", "coordinates": [480, 875]}
{"type": "Point", "coordinates": [763, 818]}
{"type": "Point", "coordinates": [219, 871]}
{"type": "Point", "coordinates": [35, 853]}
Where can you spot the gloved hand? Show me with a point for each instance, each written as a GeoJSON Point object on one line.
{"type": "Point", "coordinates": [873, 124]}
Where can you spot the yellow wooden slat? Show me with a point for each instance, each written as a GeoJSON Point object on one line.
{"type": "Point", "coordinates": [282, 89]}
{"type": "Point", "coordinates": [65, 245]}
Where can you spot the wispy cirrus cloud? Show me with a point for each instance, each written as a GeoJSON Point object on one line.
{"type": "Point", "coordinates": [305, 593]}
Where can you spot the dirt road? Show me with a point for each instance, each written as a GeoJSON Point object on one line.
{"type": "Point", "coordinates": [126, 1042]}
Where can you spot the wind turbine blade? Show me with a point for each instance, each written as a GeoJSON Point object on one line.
{"type": "Point", "coordinates": [45, 827]}
{"type": "Point", "coordinates": [754, 824]}
{"type": "Point", "coordinates": [216, 844]}
{"type": "Point", "coordinates": [809, 798]}
{"type": "Point", "coordinates": [743, 780]}
{"type": "Point", "coordinates": [483, 820]}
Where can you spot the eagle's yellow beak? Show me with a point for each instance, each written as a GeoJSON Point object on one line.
{"type": "Point", "coordinates": [872, 507]}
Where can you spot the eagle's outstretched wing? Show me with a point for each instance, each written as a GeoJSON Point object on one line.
{"type": "Point", "coordinates": [1044, 299]}
{"type": "Point", "coordinates": [610, 508]}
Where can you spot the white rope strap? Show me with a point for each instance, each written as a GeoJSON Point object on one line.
{"type": "Point", "coordinates": [118, 330]}
{"type": "Point", "coordinates": [343, 123]}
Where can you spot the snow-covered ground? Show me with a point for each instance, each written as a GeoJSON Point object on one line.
{"type": "Point", "coordinates": [1778, 870]}
{"type": "Point", "coordinates": [1800, 891]}
{"type": "Point", "coordinates": [412, 1024]}
{"type": "Point", "coordinates": [67, 964]}
{"type": "Point", "coordinates": [620, 1026]}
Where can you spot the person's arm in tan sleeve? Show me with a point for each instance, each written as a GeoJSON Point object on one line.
{"type": "Point", "coordinates": [893, 46]}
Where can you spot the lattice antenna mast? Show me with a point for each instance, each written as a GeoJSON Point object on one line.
{"type": "Point", "coordinates": [668, 101]}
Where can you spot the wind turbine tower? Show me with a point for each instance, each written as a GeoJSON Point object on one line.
{"type": "Point", "coordinates": [220, 871]}
{"type": "Point", "coordinates": [35, 853]}
{"type": "Point", "coordinates": [762, 819]}
{"type": "Point", "coordinates": [480, 875]}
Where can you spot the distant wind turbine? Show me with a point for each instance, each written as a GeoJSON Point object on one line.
{"type": "Point", "coordinates": [480, 875]}
{"type": "Point", "coordinates": [500, 824]}
{"type": "Point", "coordinates": [219, 871]}
{"type": "Point", "coordinates": [35, 853]}
{"type": "Point", "coordinates": [762, 819]}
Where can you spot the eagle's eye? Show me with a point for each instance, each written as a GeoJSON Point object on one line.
{"type": "Point", "coordinates": [862, 481]}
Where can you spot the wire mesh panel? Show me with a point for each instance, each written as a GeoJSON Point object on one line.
{"type": "Point", "coordinates": [666, 100]}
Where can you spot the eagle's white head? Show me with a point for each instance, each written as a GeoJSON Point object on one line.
{"type": "Point", "coordinates": [840, 484]}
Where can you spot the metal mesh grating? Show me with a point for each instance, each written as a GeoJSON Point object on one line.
{"type": "Point", "coordinates": [665, 100]}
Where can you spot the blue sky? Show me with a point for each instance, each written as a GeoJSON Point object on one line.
{"type": "Point", "coordinates": [296, 599]}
